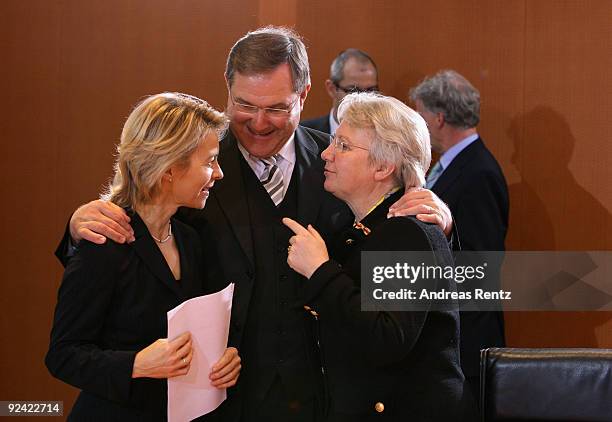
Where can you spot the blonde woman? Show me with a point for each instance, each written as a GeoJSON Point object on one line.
{"type": "Point", "coordinates": [110, 320]}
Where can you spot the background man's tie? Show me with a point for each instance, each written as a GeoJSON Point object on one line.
{"type": "Point", "coordinates": [433, 175]}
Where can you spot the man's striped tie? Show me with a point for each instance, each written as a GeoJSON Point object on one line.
{"type": "Point", "coordinates": [272, 179]}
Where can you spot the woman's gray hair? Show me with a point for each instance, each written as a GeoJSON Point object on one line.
{"type": "Point", "coordinates": [449, 93]}
{"type": "Point", "coordinates": [401, 137]}
{"type": "Point", "coordinates": [163, 130]}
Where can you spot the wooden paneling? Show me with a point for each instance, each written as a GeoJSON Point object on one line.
{"type": "Point", "coordinates": [562, 150]}
{"type": "Point", "coordinates": [277, 12]}
{"type": "Point", "coordinates": [72, 70]}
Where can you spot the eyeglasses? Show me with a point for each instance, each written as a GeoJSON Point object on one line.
{"type": "Point", "coordinates": [269, 111]}
{"type": "Point", "coordinates": [355, 89]}
{"type": "Point", "coordinates": [342, 145]}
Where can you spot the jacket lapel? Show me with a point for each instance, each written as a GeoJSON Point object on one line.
{"type": "Point", "coordinates": [230, 194]}
{"type": "Point", "coordinates": [453, 171]}
{"type": "Point", "coordinates": [326, 126]}
{"type": "Point", "coordinates": [147, 250]}
{"type": "Point", "coordinates": [309, 171]}
{"type": "Point", "coordinates": [189, 285]}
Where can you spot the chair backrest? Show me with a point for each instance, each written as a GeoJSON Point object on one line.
{"type": "Point", "coordinates": [546, 384]}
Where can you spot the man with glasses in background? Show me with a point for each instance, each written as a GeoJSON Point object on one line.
{"type": "Point", "coordinates": [273, 169]}
{"type": "Point", "coordinates": [351, 71]}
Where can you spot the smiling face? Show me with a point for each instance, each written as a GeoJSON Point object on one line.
{"type": "Point", "coordinates": [190, 185]}
{"type": "Point", "coordinates": [262, 133]}
{"type": "Point", "coordinates": [349, 174]}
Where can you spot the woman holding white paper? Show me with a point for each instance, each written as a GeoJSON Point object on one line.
{"type": "Point", "coordinates": [110, 320]}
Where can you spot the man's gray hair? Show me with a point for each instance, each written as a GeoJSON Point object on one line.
{"type": "Point", "coordinates": [401, 137]}
{"type": "Point", "coordinates": [263, 50]}
{"type": "Point", "coordinates": [336, 71]}
{"type": "Point", "coordinates": [449, 93]}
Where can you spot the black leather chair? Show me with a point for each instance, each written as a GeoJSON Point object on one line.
{"type": "Point", "coordinates": [546, 384]}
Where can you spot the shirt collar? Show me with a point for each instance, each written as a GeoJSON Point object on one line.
{"type": "Point", "coordinates": [453, 151]}
{"type": "Point", "coordinates": [333, 124]}
{"type": "Point", "coordinates": [287, 153]}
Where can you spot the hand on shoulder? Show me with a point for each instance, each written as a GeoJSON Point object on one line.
{"type": "Point", "coordinates": [98, 220]}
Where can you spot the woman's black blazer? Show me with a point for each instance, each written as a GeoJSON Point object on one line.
{"type": "Point", "coordinates": [111, 304]}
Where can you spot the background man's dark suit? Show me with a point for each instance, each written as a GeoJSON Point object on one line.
{"type": "Point", "coordinates": [113, 303]}
{"type": "Point", "coordinates": [246, 243]}
{"type": "Point", "coordinates": [319, 123]}
{"type": "Point", "coordinates": [474, 188]}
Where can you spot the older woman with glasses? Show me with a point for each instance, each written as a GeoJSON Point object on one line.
{"type": "Point", "coordinates": [380, 365]}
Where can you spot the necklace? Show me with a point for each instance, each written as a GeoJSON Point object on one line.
{"type": "Point", "coordinates": [380, 201]}
{"type": "Point", "coordinates": [165, 239]}
{"type": "Point", "coordinates": [359, 225]}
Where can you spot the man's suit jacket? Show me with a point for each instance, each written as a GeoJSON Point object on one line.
{"type": "Point", "coordinates": [112, 303]}
{"type": "Point", "coordinates": [320, 123]}
{"type": "Point", "coordinates": [475, 190]}
{"type": "Point", "coordinates": [225, 228]}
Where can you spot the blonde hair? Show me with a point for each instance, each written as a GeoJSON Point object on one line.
{"type": "Point", "coordinates": [401, 137]}
{"type": "Point", "coordinates": [163, 130]}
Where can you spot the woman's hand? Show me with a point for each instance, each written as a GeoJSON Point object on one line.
{"type": "Point", "coordinates": [225, 372]}
{"type": "Point", "coordinates": [307, 250]}
{"type": "Point", "coordinates": [164, 359]}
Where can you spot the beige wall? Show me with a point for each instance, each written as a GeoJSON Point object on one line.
{"type": "Point", "coordinates": [71, 70]}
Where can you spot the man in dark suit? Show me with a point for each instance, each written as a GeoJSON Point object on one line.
{"type": "Point", "coordinates": [272, 169]}
{"type": "Point", "coordinates": [469, 179]}
{"type": "Point", "coordinates": [352, 70]}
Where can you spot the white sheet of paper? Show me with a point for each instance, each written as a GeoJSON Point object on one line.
{"type": "Point", "coordinates": [207, 318]}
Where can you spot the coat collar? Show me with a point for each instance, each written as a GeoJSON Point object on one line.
{"type": "Point", "coordinates": [358, 232]}
{"type": "Point", "coordinates": [453, 171]}
{"type": "Point", "coordinates": [147, 250]}
{"type": "Point", "coordinates": [379, 214]}
{"type": "Point", "coordinates": [230, 191]}
{"type": "Point", "coordinates": [230, 194]}
{"type": "Point", "coordinates": [309, 171]}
